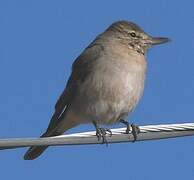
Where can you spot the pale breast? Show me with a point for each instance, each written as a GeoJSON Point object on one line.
{"type": "Point", "coordinates": [112, 89]}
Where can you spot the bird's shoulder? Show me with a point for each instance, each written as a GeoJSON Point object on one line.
{"type": "Point", "coordinates": [81, 68]}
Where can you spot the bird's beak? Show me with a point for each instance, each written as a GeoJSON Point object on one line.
{"type": "Point", "coordinates": [158, 40]}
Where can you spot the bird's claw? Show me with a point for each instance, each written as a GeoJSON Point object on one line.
{"type": "Point", "coordinates": [127, 125]}
{"type": "Point", "coordinates": [135, 131]}
{"type": "Point", "coordinates": [101, 134]}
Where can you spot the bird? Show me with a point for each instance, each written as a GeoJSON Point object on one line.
{"type": "Point", "coordinates": [105, 85]}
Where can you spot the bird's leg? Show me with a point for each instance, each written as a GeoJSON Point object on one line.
{"type": "Point", "coordinates": [134, 129]}
{"type": "Point", "coordinates": [127, 124]}
{"type": "Point", "coordinates": [101, 133]}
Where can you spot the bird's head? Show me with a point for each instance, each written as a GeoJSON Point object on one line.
{"type": "Point", "coordinates": [134, 36]}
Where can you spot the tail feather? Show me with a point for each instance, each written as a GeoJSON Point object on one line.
{"type": "Point", "coordinates": [34, 151]}
{"type": "Point", "coordinates": [54, 129]}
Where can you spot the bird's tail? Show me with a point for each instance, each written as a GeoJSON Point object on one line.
{"type": "Point", "coordinates": [35, 151]}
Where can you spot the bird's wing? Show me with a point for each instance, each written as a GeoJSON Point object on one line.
{"type": "Point", "coordinates": [80, 70]}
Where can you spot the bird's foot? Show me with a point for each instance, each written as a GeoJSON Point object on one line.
{"type": "Point", "coordinates": [135, 131]}
{"type": "Point", "coordinates": [127, 125]}
{"type": "Point", "coordinates": [131, 127]}
{"type": "Point", "coordinates": [101, 134]}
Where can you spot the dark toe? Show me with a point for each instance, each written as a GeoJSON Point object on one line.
{"type": "Point", "coordinates": [101, 134]}
{"type": "Point", "coordinates": [135, 131]}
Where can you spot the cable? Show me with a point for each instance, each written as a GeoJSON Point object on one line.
{"type": "Point", "coordinates": [148, 132]}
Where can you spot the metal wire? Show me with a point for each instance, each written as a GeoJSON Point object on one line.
{"type": "Point", "coordinates": [149, 132]}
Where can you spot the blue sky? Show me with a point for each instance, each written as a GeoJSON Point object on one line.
{"type": "Point", "coordinates": [39, 41]}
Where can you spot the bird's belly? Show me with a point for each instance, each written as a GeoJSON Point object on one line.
{"type": "Point", "coordinates": [108, 98]}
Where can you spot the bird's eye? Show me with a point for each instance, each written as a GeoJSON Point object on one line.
{"type": "Point", "coordinates": [133, 34]}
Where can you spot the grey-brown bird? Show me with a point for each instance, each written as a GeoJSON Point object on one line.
{"type": "Point", "coordinates": [106, 83]}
